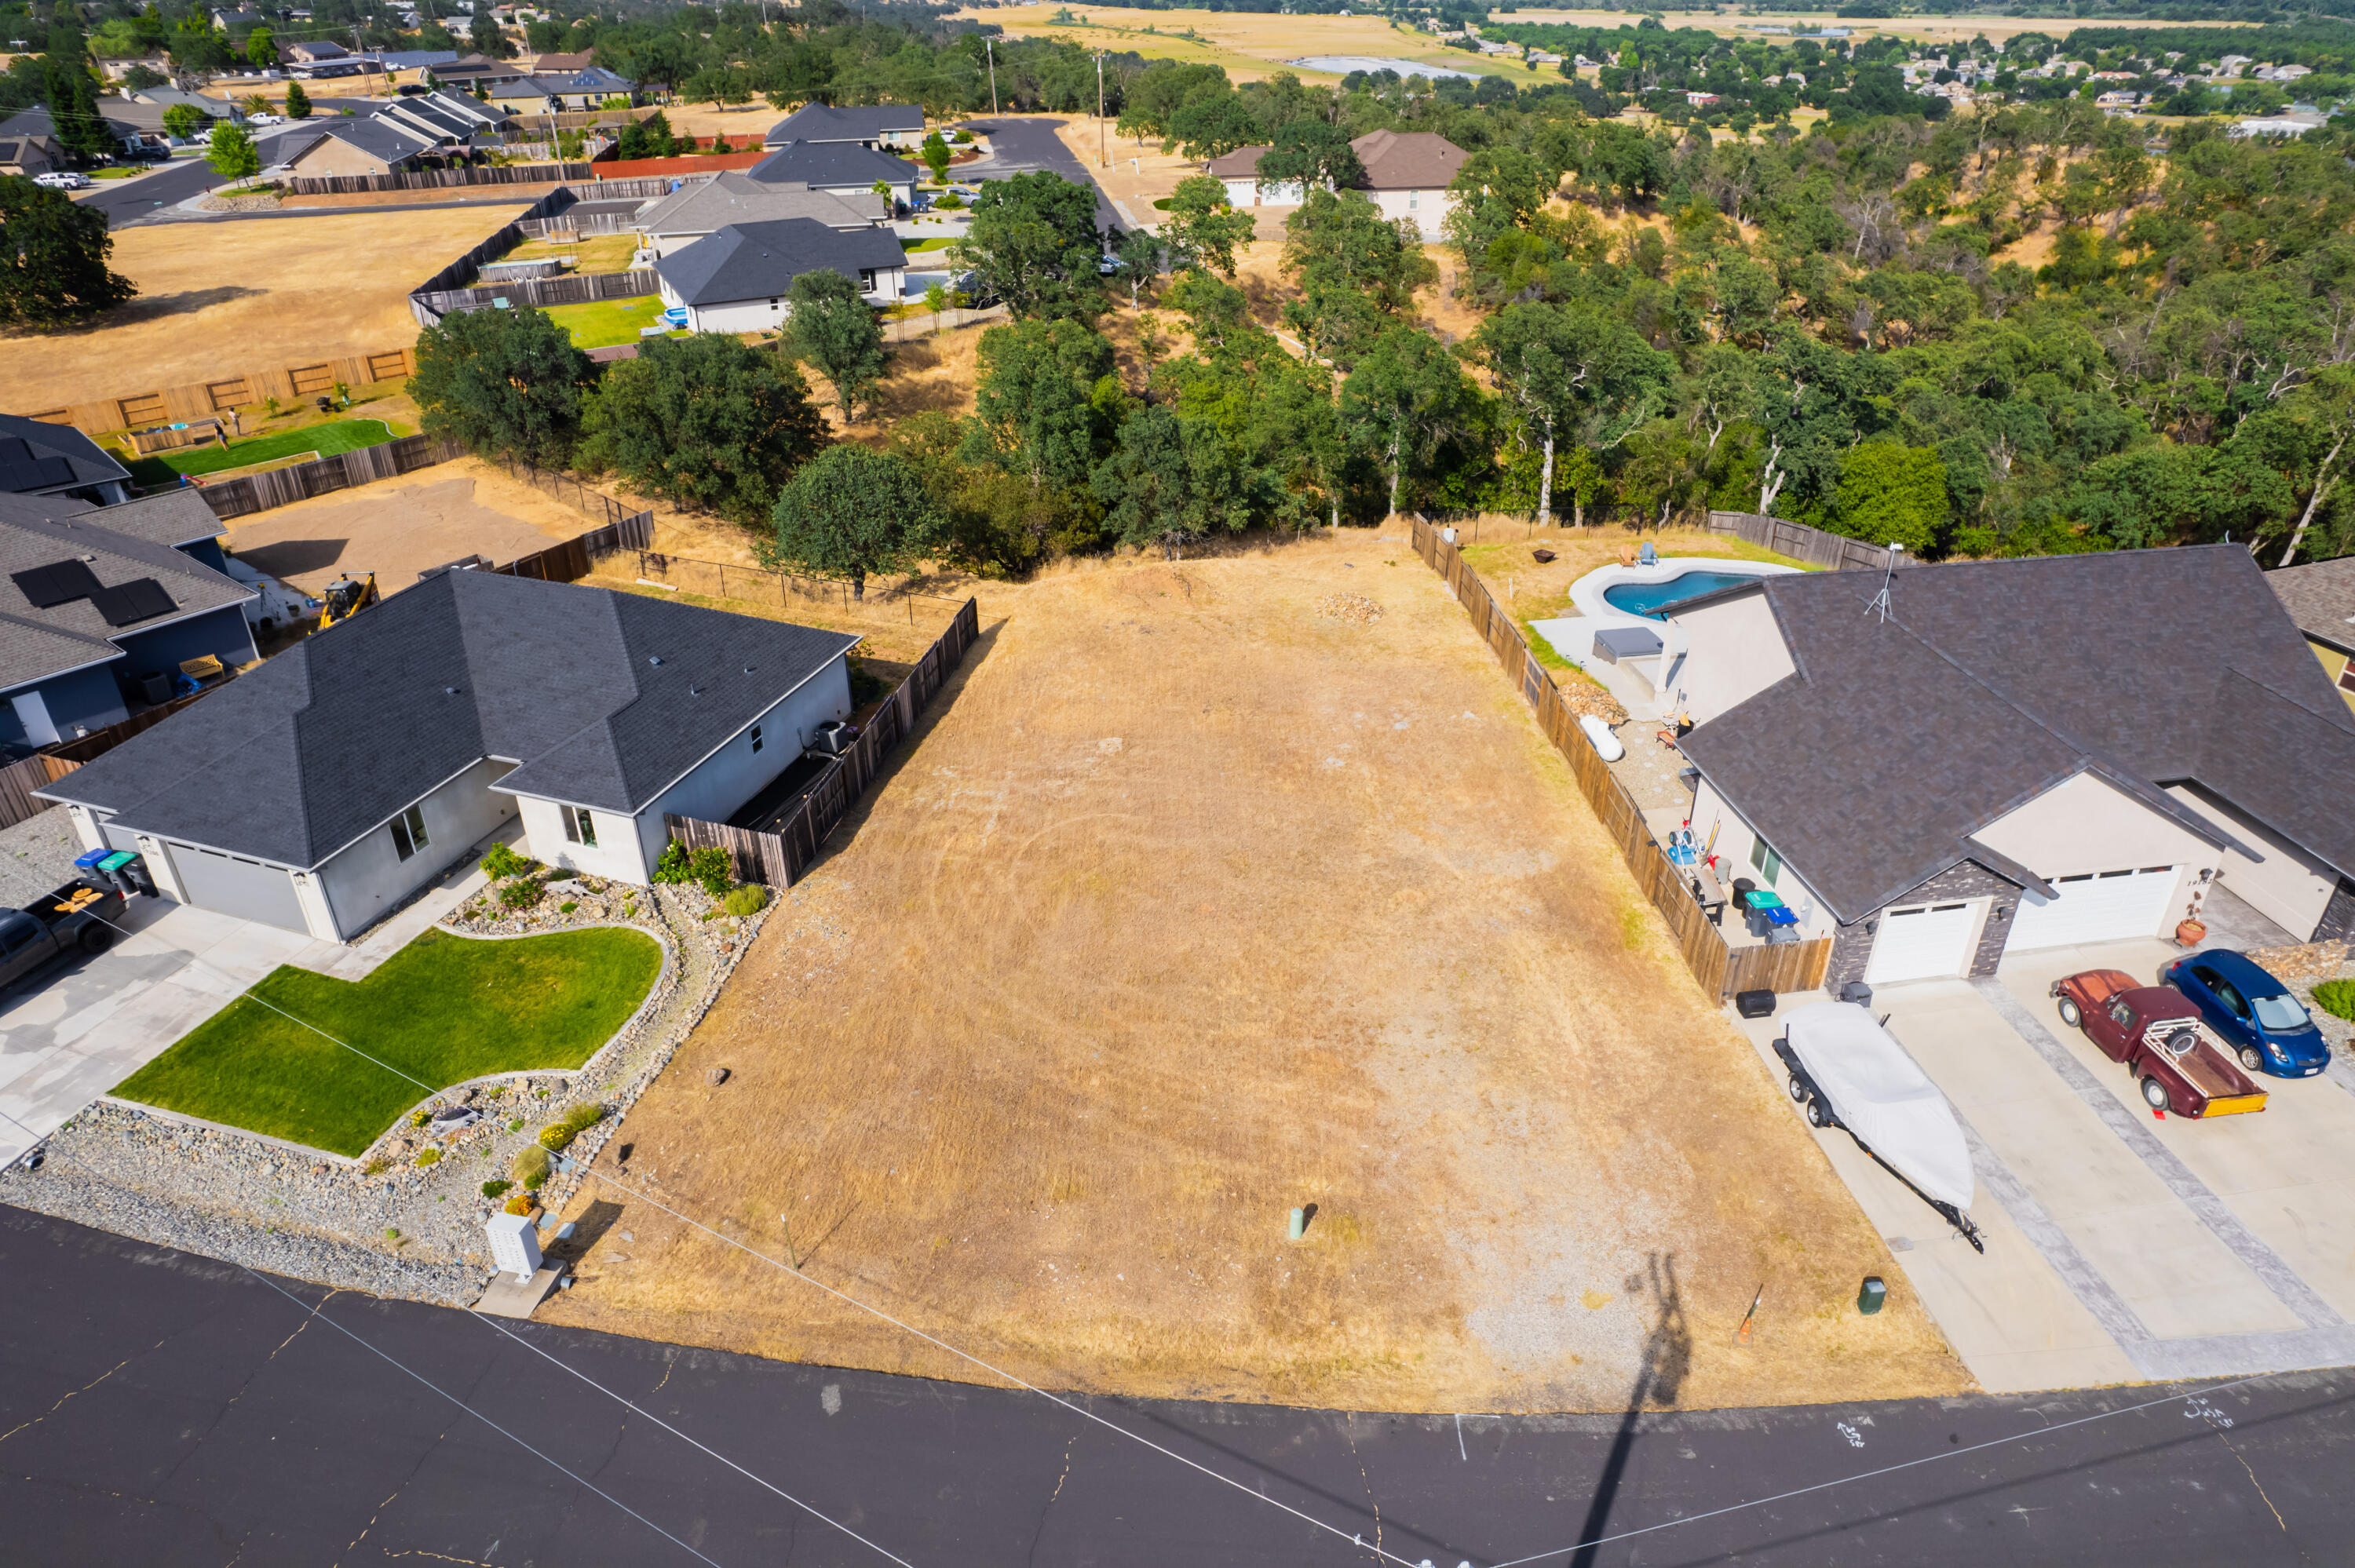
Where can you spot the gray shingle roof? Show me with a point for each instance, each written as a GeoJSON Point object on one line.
{"type": "Point", "coordinates": [2321, 599]}
{"type": "Point", "coordinates": [377, 137]}
{"type": "Point", "coordinates": [331, 737]}
{"type": "Point", "coordinates": [1408, 159]}
{"type": "Point", "coordinates": [168, 517]}
{"type": "Point", "coordinates": [735, 198]}
{"type": "Point", "coordinates": [1869, 767]}
{"type": "Point", "coordinates": [823, 164]}
{"type": "Point", "coordinates": [823, 123]}
{"type": "Point", "coordinates": [36, 455]}
{"type": "Point", "coordinates": [760, 261]}
{"type": "Point", "coordinates": [38, 642]}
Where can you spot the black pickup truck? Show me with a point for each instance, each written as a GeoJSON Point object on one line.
{"type": "Point", "coordinates": [74, 918]}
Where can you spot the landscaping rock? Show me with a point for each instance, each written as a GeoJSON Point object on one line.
{"type": "Point", "coordinates": [717, 1076]}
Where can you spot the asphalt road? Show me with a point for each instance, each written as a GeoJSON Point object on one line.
{"type": "Point", "coordinates": [126, 202]}
{"type": "Point", "coordinates": [160, 1409]}
{"type": "Point", "coordinates": [1020, 147]}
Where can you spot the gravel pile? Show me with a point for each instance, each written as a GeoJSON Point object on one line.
{"type": "Point", "coordinates": [382, 1223]}
{"type": "Point", "coordinates": [1351, 609]}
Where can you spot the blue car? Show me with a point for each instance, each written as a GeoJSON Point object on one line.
{"type": "Point", "coordinates": [2252, 1013]}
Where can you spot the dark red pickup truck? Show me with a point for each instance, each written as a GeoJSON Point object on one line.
{"type": "Point", "coordinates": [2154, 1029]}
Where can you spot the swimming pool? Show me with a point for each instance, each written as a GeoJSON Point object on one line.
{"type": "Point", "coordinates": [1653, 600]}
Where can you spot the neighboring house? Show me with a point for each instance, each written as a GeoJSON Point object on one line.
{"type": "Point", "coordinates": [392, 61]}
{"type": "Point", "coordinates": [469, 71]}
{"type": "Point", "coordinates": [874, 127]}
{"type": "Point", "coordinates": [2017, 757]}
{"type": "Point", "coordinates": [736, 279]}
{"type": "Point", "coordinates": [313, 51]}
{"type": "Point", "coordinates": [40, 458]}
{"type": "Point", "coordinates": [843, 168]}
{"type": "Point", "coordinates": [96, 613]}
{"type": "Point", "coordinates": [371, 146]}
{"type": "Point", "coordinates": [557, 64]}
{"type": "Point", "coordinates": [319, 791]}
{"type": "Point", "coordinates": [2320, 599]}
{"type": "Point", "coordinates": [116, 70]}
{"type": "Point", "coordinates": [444, 118]}
{"type": "Point", "coordinates": [29, 155]}
{"type": "Point", "coordinates": [568, 93]}
{"type": "Point", "coordinates": [1407, 176]}
{"type": "Point", "coordinates": [674, 222]}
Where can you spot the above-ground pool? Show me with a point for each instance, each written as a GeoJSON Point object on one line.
{"type": "Point", "coordinates": [1653, 600]}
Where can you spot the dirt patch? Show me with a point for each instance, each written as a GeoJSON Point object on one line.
{"type": "Point", "coordinates": [398, 529]}
{"type": "Point", "coordinates": [217, 298]}
{"type": "Point", "coordinates": [1189, 907]}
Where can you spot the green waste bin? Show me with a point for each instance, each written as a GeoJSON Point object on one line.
{"type": "Point", "coordinates": [1869, 1299]}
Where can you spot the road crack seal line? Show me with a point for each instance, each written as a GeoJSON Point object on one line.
{"type": "Point", "coordinates": [1371, 1501]}
{"type": "Point", "coordinates": [1040, 1533]}
{"type": "Point", "coordinates": [2253, 1480]}
{"type": "Point", "coordinates": [61, 1404]}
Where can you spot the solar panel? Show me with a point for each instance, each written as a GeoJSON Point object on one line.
{"type": "Point", "coordinates": [61, 582]}
{"type": "Point", "coordinates": [127, 602]}
{"type": "Point", "coordinates": [39, 474]}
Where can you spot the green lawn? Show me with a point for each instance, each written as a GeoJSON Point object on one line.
{"type": "Point", "coordinates": [605, 322]}
{"type": "Point", "coordinates": [443, 1009]}
{"type": "Point", "coordinates": [326, 440]}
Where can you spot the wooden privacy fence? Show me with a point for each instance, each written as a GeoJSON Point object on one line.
{"type": "Point", "coordinates": [1721, 969]}
{"type": "Point", "coordinates": [635, 528]}
{"type": "Point", "coordinates": [1798, 541]}
{"type": "Point", "coordinates": [285, 486]}
{"type": "Point", "coordinates": [243, 388]}
{"type": "Point", "coordinates": [19, 780]}
{"type": "Point", "coordinates": [578, 289]}
{"type": "Point", "coordinates": [780, 859]}
{"type": "Point", "coordinates": [439, 179]}
{"type": "Point", "coordinates": [574, 558]}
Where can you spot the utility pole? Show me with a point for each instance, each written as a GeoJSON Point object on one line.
{"type": "Point", "coordinates": [1103, 157]}
{"type": "Point", "coordinates": [990, 48]}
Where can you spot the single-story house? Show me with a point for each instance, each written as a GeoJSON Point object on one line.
{"type": "Point", "coordinates": [469, 72]}
{"type": "Point", "coordinates": [556, 64]}
{"type": "Point", "coordinates": [843, 168]}
{"type": "Point", "coordinates": [444, 117]}
{"type": "Point", "coordinates": [319, 791]}
{"type": "Point", "coordinates": [97, 613]}
{"type": "Point", "coordinates": [674, 222]}
{"type": "Point", "coordinates": [872, 126]}
{"type": "Point", "coordinates": [314, 51]}
{"type": "Point", "coordinates": [2320, 598]}
{"type": "Point", "coordinates": [29, 155]}
{"type": "Point", "coordinates": [566, 92]}
{"type": "Point", "coordinates": [736, 280]}
{"type": "Point", "coordinates": [342, 146]}
{"type": "Point", "coordinates": [2017, 754]}
{"type": "Point", "coordinates": [37, 458]}
{"type": "Point", "coordinates": [1407, 176]}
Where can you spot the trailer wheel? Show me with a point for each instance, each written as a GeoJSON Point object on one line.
{"type": "Point", "coordinates": [96, 938]}
{"type": "Point", "coordinates": [1815, 1116]}
{"type": "Point", "coordinates": [1798, 1090]}
{"type": "Point", "coordinates": [2069, 1015]}
{"type": "Point", "coordinates": [2155, 1092]}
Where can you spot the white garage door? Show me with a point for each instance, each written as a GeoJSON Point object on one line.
{"type": "Point", "coordinates": [1925, 940]}
{"type": "Point", "coordinates": [2104, 907]}
{"type": "Point", "coordinates": [235, 886]}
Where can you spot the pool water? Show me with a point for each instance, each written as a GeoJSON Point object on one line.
{"type": "Point", "coordinates": [1653, 600]}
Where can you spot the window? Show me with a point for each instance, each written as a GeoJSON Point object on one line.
{"type": "Point", "coordinates": [580, 827]}
{"type": "Point", "coordinates": [2347, 677]}
{"type": "Point", "coordinates": [1764, 860]}
{"type": "Point", "coordinates": [756, 737]}
{"type": "Point", "coordinates": [409, 832]}
{"type": "Point", "coordinates": [1414, 200]}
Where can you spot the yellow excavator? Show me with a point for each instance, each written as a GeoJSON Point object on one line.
{"type": "Point", "coordinates": [346, 597]}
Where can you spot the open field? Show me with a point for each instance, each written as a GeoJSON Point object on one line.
{"type": "Point", "coordinates": [216, 298]}
{"type": "Point", "coordinates": [444, 1009]}
{"type": "Point", "coordinates": [398, 528]}
{"type": "Point", "coordinates": [1192, 904]}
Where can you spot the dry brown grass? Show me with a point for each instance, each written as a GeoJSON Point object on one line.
{"type": "Point", "coordinates": [1191, 906]}
{"type": "Point", "coordinates": [219, 298]}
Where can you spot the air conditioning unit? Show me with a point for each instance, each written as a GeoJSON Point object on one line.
{"type": "Point", "coordinates": [832, 737]}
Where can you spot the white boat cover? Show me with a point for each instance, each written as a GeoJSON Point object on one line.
{"type": "Point", "coordinates": [1877, 1091]}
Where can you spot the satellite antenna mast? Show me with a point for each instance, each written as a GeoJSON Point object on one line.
{"type": "Point", "coordinates": [1888, 571]}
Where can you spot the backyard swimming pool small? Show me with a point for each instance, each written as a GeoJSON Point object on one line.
{"type": "Point", "coordinates": [1653, 599]}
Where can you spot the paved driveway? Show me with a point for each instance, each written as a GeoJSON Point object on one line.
{"type": "Point", "coordinates": [1021, 146]}
{"type": "Point", "coordinates": [2119, 1245]}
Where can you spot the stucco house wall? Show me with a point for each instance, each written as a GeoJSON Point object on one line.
{"type": "Point", "coordinates": [2289, 886]}
{"type": "Point", "coordinates": [732, 774]}
{"type": "Point", "coordinates": [617, 853]}
{"type": "Point", "coordinates": [2085, 823]}
{"type": "Point", "coordinates": [1735, 840]}
{"type": "Point", "coordinates": [1732, 651]}
{"type": "Point", "coordinates": [366, 879]}
{"type": "Point", "coordinates": [224, 633]}
{"type": "Point", "coordinates": [1427, 209]}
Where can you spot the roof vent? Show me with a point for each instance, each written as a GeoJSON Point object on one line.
{"type": "Point", "coordinates": [654, 658]}
{"type": "Point", "coordinates": [695, 691]}
{"type": "Point", "coordinates": [449, 691]}
{"type": "Point", "coordinates": [748, 668]}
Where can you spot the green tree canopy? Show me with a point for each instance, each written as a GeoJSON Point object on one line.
{"type": "Point", "coordinates": [298, 102]}
{"type": "Point", "coordinates": [72, 95]}
{"type": "Point", "coordinates": [852, 513]}
{"type": "Point", "coordinates": [232, 153]}
{"type": "Point", "coordinates": [1311, 153]}
{"type": "Point", "coordinates": [1035, 410]}
{"type": "Point", "coordinates": [1356, 272]}
{"type": "Point", "coordinates": [53, 255]}
{"type": "Point", "coordinates": [1203, 230]}
{"type": "Point", "coordinates": [183, 121]}
{"type": "Point", "coordinates": [506, 383]}
{"type": "Point", "coordinates": [1405, 396]}
{"type": "Point", "coordinates": [708, 421]}
{"type": "Point", "coordinates": [1033, 244]}
{"type": "Point", "coordinates": [1893, 494]}
{"type": "Point", "coordinates": [261, 49]}
{"type": "Point", "coordinates": [832, 327]}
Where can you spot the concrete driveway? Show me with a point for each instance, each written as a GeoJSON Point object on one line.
{"type": "Point", "coordinates": [2118, 1246]}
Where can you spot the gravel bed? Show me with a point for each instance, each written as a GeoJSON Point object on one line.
{"type": "Point", "coordinates": [37, 855]}
{"type": "Point", "coordinates": [383, 1224]}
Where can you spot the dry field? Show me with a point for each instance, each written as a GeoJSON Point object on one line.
{"type": "Point", "coordinates": [216, 298]}
{"type": "Point", "coordinates": [1194, 901]}
{"type": "Point", "coordinates": [1250, 45]}
{"type": "Point", "coordinates": [398, 528]}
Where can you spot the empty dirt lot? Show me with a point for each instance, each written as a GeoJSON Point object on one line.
{"type": "Point", "coordinates": [398, 528]}
{"type": "Point", "coordinates": [1194, 903]}
{"type": "Point", "coordinates": [218, 298]}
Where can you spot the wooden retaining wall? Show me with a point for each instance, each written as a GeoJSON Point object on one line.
{"type": "Point", "coordinates": [233, 387]}
{"type": "Point", "coordinates": [1721, 969]}
{"type": "Point", "coordinates": [780, 859]}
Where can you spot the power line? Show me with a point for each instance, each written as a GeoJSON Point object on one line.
{"type": "Point", "coordinates": [317, 1313]}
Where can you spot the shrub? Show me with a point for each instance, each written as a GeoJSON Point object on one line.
{"type": "Point", "coordinates": [521, 1203]}
{"type": "Point", "coordinates": [531, 1164]}
{"type": "Point", "coordinates": [715, 868]}
{"type": "Point", "coordinates": [495, 1189]}
{"type": "Point", "coordinates": [672, 866]}
{"type": "Point", "coordinates": [504, 862]}
{"type": "Point", "coordinates": [428, 1158]}
{"type": "Point", "coordinates": [566, 908]}
{"type": "Point", "coordinates": [2336, 998]}
{"type": "Point", "coordinates": [521, 893]}
{"type": "Point", "coordinates": [391, 1233]}
{"type": "Point", "coordinates": [749, 899]}
{"type": "Point", "coordinates": [558, 1135]}
{"type": "Point", "coordinates": [419, 1119]}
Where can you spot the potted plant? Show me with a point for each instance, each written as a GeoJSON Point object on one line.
{"type": "Point", "coordinates": [2191, 931]}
